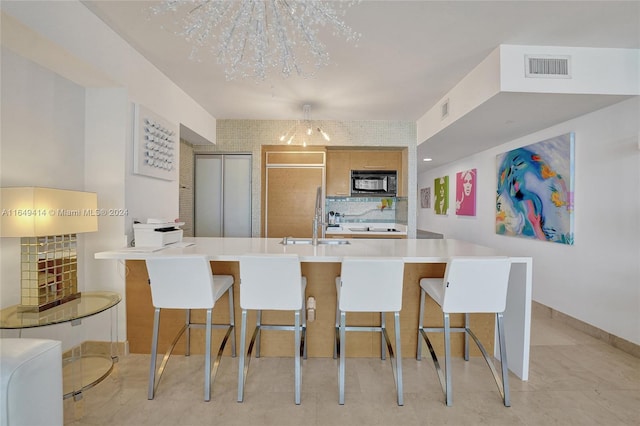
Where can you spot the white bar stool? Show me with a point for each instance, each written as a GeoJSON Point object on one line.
{"type": "Point", "coordinates": [186, 282]}
{"type": "Point", "coordinates": [272, 282]}
{"type": "Point", "coordinates": [470, 285]}
{"type": "Point", "coordinates": [370, 285]}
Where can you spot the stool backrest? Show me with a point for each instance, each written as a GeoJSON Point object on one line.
{"type": "Point", "coordinates": [476, 284]}
{"type": "Point", "coordinates": [181, 282]}
{"type": "Point", "coordinates": [371, 284]}
{"type": "Point", "coordinates": [270, 281]}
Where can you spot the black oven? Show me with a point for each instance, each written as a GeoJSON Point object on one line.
{"type": "Point", "coordinates": [376, 183]}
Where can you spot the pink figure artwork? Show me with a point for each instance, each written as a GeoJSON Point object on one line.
{"type": "Point", "coordinates": [466, 193]}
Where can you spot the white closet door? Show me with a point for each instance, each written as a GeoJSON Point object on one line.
{"type": "Point", "coordinates": [237, 196]}
{"type": "Point", "coordinates": [222, 197]}
{"type": "Point", "coordinates": [208, 196]}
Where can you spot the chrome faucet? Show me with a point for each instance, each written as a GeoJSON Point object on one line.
{"type": "Point", "coordinates": [317, 218]}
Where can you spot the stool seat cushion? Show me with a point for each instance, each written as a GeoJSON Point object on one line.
{"type": "Point", "coordinates": [434, 287]}
{"type": "Point", "coordinates": [221, 283]}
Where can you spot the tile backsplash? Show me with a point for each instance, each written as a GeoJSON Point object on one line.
{"type": "Point", "coordinates": [371, 210]}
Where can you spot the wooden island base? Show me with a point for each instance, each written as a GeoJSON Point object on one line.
{"type": "Point", "coordinates": [320, 332]}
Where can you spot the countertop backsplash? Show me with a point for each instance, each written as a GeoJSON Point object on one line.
{"type": "Point", "coordinates": [369, 210]}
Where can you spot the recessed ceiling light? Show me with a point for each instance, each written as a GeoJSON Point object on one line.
{"type": "Point", "coordinates": [427, 159]}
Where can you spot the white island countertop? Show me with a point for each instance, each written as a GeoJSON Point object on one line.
{"type": "Point", "coordinates": [229, 249]}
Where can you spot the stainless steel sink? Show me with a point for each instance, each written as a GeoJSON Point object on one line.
{"type": "Point", "coordinates": [324, 241]}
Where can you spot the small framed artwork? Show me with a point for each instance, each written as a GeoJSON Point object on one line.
{"type": "Point", "coordinates": [441, 188]}
{"type": "Point", "coordinates": [155, 145]}
{"type": "Point", "coordinates": [466, 193]}
{"type": "Point", "coordinates": [425, 198]}
{"type": "Point", "coordinates": [535, 191]}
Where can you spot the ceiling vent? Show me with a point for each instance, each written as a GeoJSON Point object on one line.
{"type": "Point", "coordinates": [444, 109]}
{"type": "Point", "coordinates": [547, 66]}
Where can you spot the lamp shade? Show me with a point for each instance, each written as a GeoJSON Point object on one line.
{"type": "Point", "coordinates": [34, 211]}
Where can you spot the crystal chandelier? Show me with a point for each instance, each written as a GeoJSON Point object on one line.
{"type": "Point", "coordinates": [250, 37]}
{"type": "Point", "coordinates": [303, 129]}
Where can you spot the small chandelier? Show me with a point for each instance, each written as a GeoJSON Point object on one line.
{"type": "Point", "coordinates": [304, 128]}
{"type": "Point", "coordinates": [249, 37]}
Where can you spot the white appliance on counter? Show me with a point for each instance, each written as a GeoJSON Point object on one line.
{"type": "Point", "coordinates": [157, 234]}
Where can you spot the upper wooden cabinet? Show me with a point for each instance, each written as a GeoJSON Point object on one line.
{"type": "Point", "coordinates": [338, 173]}
{"type": "Point", "coordinates": [293, 158]}
{"type": "Point", "coordinates": [340, 162]}
{"type": "Point", "coordinates": [375, 160]}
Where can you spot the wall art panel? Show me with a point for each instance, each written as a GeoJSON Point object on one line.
{"type": "Point", "coordinates": [466, 192]}
{"type": "Point", "coordinates": [535, 191]}
{"type": "Point", "coordinates": [441, 194]}
{"type": "Point", "coordinates": [155, 145]}
{"type": "Point", "coordinates": [425, 198]}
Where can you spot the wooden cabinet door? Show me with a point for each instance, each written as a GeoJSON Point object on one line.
{"type": "Point", "coordinates": [375, 160]}
{"type": "Point", "coordinates": [290, 201]}
{"type": "Point", "coordinates": [338, 173]}
{"type": "Point", "coordinates": [293, 158]}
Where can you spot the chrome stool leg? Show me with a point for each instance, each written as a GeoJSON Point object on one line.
{"type": "Point", "coordinates": [342, 359]}
{"type": "Point", "coordinates": [447, 360]}
{"type": "Point", "coordinates": [187, 350]}
{"type": "Point", "coordinates": [153, 381]}
{"type": "Point", "coordinates": [297, 369]}
{"type": "Point", "coordinates": [154, 352]}
{"type": "Point", "coordinates": [232, 323]}
{"type": "Point", "coordinates": [303, 343]}
{"type": "Point", "coordinates": [398, 359]}
{"type": "Point", "coordinates": [242, 369]}
{"type": "Point", "coordinates": [259, 328]}
{"type": "Point", "coordinates": [467, 327]}
{"type": "Point", "coordinates": [207, 358]}
{"type": "Point", "coordinates": [383, 325]}
{"type": "Point", "coordinates": [420, 325]}
{"type": "Point", "coordinates": [336, 340]}
{"type": "Point", "coordinates": [503, 361]}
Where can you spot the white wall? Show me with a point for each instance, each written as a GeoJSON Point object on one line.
{"type": "Point", "coordinates": [482, 83]}
{"type": "Point", "coordinates": [42, 144]}
{"type": "Point", "coordinates": [85, 43]}
{"type": "Point", "coordinates": [68, 100]}
{"type": "Point", "coordinates": [597, 280]}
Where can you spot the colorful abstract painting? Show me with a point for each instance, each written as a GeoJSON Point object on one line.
{"type": "Point", "coordinates": [466, 193]}
{"type": "Point", "coordinates": [535, 191]}
{"type": "Point", "coordinates": [441, 194]}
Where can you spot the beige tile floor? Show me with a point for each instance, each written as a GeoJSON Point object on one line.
{"type": "Point", "coordinates": [574, 380]}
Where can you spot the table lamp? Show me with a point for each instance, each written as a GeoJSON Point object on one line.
{"type": "Point", "coordinates": [47, 220]}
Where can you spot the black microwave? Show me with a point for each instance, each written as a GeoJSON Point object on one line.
{"type": "Point", "coordinates": [375, 183]}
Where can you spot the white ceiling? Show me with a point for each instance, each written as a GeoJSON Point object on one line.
{"type": "Point", "coordinates": [411, 53]}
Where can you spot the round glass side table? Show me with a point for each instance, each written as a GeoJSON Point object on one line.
{"type": "Point", "coordinates": [83, 366]}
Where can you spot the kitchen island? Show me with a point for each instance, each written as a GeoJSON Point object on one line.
{"type": "Point", "coordinates": [321, 264]}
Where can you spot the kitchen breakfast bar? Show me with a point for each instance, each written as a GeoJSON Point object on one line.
{"type": "Point", "coordinates": [321, 264]}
